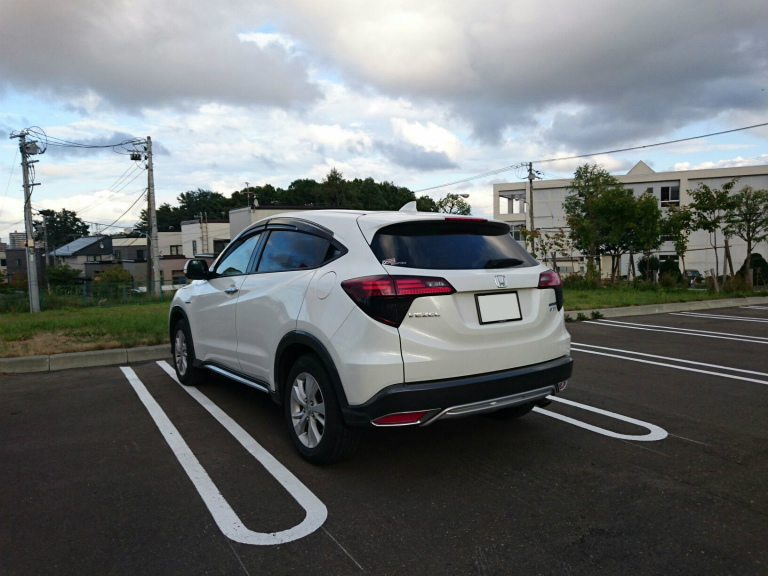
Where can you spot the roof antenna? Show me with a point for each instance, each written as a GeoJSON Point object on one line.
{"type": "Point", "coordinates": [410, 207]}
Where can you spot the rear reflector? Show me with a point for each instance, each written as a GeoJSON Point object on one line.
{"type": "Point", "coordinates": [400, 419]}
{"type": "Point", "coordinates": [561, 385]}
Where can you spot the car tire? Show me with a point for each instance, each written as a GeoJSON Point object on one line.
{"type": "Point", "coordinates": [313, 415]}
{"type": "Point", "coordinates": [183, 352]}
{"type": "Point", "coordinates": [512, 412]}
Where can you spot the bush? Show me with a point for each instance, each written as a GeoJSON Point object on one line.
{"type": "Point", "coordinates": [114, 275]}
{"type": "Point", "coordinates": [668, 280]}
{"type": "Point", "coordinates": [671, 268]}
{"type": "Point", "coordinates": [579, 282]}
{"type": "Point", "coordinates": [643, 266]}
{"type": "Point", "coordinates": [62, 275]}
{"type": "Point", "coordinates": [759, 269]}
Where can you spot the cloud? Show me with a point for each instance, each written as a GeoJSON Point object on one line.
{"type": "Point", "coordinates": [139, 54]}
{"type": "Point", "coordinates": [729, 163]}
{"type": "Point", "coordinates": [409, 155]}
{"type": "Point", "coordinates": [655, 67]}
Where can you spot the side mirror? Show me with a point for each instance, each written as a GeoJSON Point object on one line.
{"type": "Point", "coordinates": [196, 270]}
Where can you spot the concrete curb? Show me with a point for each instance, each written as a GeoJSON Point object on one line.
{"type": "Point", "coordinates": [670, 307]}
{"type": "Point", "coordinates": [26, 364]}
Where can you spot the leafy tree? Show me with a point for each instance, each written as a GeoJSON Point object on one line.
{"type": "Point", "coordinates": [710, 206]}
{"type": "Point", "coordinates": [196, 202]}
{"type": "Point", "coordinates": [395, 197]}
{"type": "Point", "coordinates": [615, 210]}
{"type": "Point", "coordinates": [590, 181]}
{"type": "Point", "coordinates": [63, 275]}
{"type": "Point", "coordinates": [678, 226]}
{"type": "Point", "coordinates": [426, 204]}
{"type": "Point", "coordinates": [747, 218]}
{"type": "Point", "coordinates": [114, 275]}
{"type": "Point", "coordinates": [302, 192]}
{"type": "Point", "coordinates": [646, 234]}
{"type": "Point", "coordinates": [332, 190]}
{"type": "Point", "coordinates": [63, 227]}
{"type": "Point", "coordinates": [454, 204]}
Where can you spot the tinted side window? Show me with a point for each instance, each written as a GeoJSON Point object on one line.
{"type": "Point", "coordinates": [288, 250]}
{"type": "Point", "coordinates": [448, 245]}
{"type": "Point", "coordinates": [235, 262]}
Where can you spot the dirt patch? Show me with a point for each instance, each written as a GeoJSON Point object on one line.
{"type": "Point", "coordinates": [60, 343]}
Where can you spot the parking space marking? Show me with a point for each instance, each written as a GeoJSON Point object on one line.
{"type": "Point", "coordinates": [755, 307]}
{"type": "Point", "coordinates": [226, 519]}
{"type": "Point", "coordinates": [681, 331]}
{"type": "Point", "coordinates": [721, 317]}
{"type": "Point", "coordinates": [579, 344]}
{"type": "Point", "coordinates": [655, 433]}
{"type": "Point", "coordinates": [664, 364]}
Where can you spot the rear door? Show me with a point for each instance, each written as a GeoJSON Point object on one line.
{"type": "Point", "coordinates": [496, 320]}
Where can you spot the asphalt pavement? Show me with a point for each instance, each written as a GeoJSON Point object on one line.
{"type": "Point", "coordinates": [656, 464]}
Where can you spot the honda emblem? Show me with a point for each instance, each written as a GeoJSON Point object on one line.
{"type": "Point", "coordinates": [501, 281]}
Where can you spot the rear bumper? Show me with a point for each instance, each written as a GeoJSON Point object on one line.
{"type": "Point", "coordinates": [466, 395]}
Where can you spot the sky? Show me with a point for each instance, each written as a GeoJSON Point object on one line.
{"type": "Point", "coordinates": [416, 93]}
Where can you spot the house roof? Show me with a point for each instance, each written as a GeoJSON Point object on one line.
{"type": "Point", "coordinates": [75, 246]}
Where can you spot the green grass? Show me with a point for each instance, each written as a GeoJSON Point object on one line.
{"type": "Point", "coordinates": [98, 328]}
{"type": "Point", "coordinates": [618, 296]}
{"type": "Point", "coordinates": [79, 329]}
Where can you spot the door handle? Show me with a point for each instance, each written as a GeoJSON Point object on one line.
{"type": "Point", "coordinates": [230, 290]}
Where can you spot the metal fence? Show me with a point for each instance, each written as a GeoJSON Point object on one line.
{"type": "Point", "coordinates": [88, 294]}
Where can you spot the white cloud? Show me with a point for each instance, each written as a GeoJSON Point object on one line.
{"type": "Point", "coordinates": [429, 136]}
{"type": "Point", "coordinates": [729, 163]}
{"type": "Point", "coordinates": [266, 39]}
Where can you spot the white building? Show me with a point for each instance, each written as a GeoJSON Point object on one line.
{"type": "Point", "coordinates": [512, 201]}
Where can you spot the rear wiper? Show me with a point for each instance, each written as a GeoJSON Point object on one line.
{"type": "Point", "coordinates": [503, 263]}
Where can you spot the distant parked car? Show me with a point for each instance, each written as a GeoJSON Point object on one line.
{"type": "Point", "coordinates": [351, 319]}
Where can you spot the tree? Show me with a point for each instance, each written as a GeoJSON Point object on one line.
{"type": "Point", "coordinates": [63, 275]}
{"type": "Point", "coordinates": [114, 275]}
{"type": "Point", "coordinates": [332, 188]}
{"type": "Point", "coordinates": [303, 192]}
{"type": "Point", "coordinates": [646, 234]}
{"type": "Point", "coordinates": [678, 226]}
{"type": "Point", "coordinates": [614, 210]}
{"type": "Point", "coordinates": [426, 204]}
{"type": "Point", "coordinates": [747, 218]}
{"type": "Point", "coordinates": [590, 181]}
{"type": "Point", "coordinates": [63, 227]}
{"type": "Point", "coordinates": [454, 204]}
{"type": "Point", "coordinates": [710, 206]}
{"type": "Point", "coordinates": [196, 202]}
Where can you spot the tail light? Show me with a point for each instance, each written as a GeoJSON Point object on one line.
{"type": "Point", "coordinates": [388, 298]}
{"type": "Point", "coordinates": [551, 279]}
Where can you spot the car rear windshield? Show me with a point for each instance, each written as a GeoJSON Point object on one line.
{"type": "Point", "coordinates": [449, 245]}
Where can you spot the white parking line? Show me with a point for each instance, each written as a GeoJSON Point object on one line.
{"type": "Point", "coordinates": [664, 364]}
{"type": "Point", "coordinates": [655, 433]}
{"type": "Point", "coordinates": [721, 317]}
{"type": "Point", "coordinates": [226, 519]}
{"type": "Point", "coordinates": [755, 307]}
{"type": "Point", "coordinates": [670, 358]}
{"type": "Point", "coordinates": [680, 331]}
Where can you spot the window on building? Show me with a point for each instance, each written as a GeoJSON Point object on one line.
{"type": "Point", "coordinates": [515, 231]}
{"type": "Point", "coordinates": [139, 254]}
{"type": "Point", "coordinates": [178, 276]}
{"type": "Point", "coordinates": [176, 250]}
{"type": "Point", "coordinates": [670, 196]}
{"type": "Point", "coordinates": [194, 247]}
{"type": "Point", "coordinates": [219, 245]}
{"type": "Point", "coordinates": [117, 254]}
{"type": "Point", "coordinates": [92, 258]}
{"type": "Point", "coordinates": [18, 262]}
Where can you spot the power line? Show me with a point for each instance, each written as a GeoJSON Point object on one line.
{"type": "Point", "coordinates": [665, 143]}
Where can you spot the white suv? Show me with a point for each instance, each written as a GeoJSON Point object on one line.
{"type": "Point", "coordinates": [351, 319]}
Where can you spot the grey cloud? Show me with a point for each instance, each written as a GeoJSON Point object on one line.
{"type": "Point", "coordinates": [411, 156]}
{"type": "Point", "coordinates": [147, 54]}
{"type": "Point", "coordinates": [650, 67]}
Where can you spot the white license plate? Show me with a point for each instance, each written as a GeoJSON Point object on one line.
{"type": "Point", "coordinates": [498, 307]}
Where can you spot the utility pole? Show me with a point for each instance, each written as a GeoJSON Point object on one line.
{"type": "Point", "coordinates": [154, 245]}
{"type": "Point", "coordinates": [531, 178]}
{"type": "Point", "coordinates": [26, 150]}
